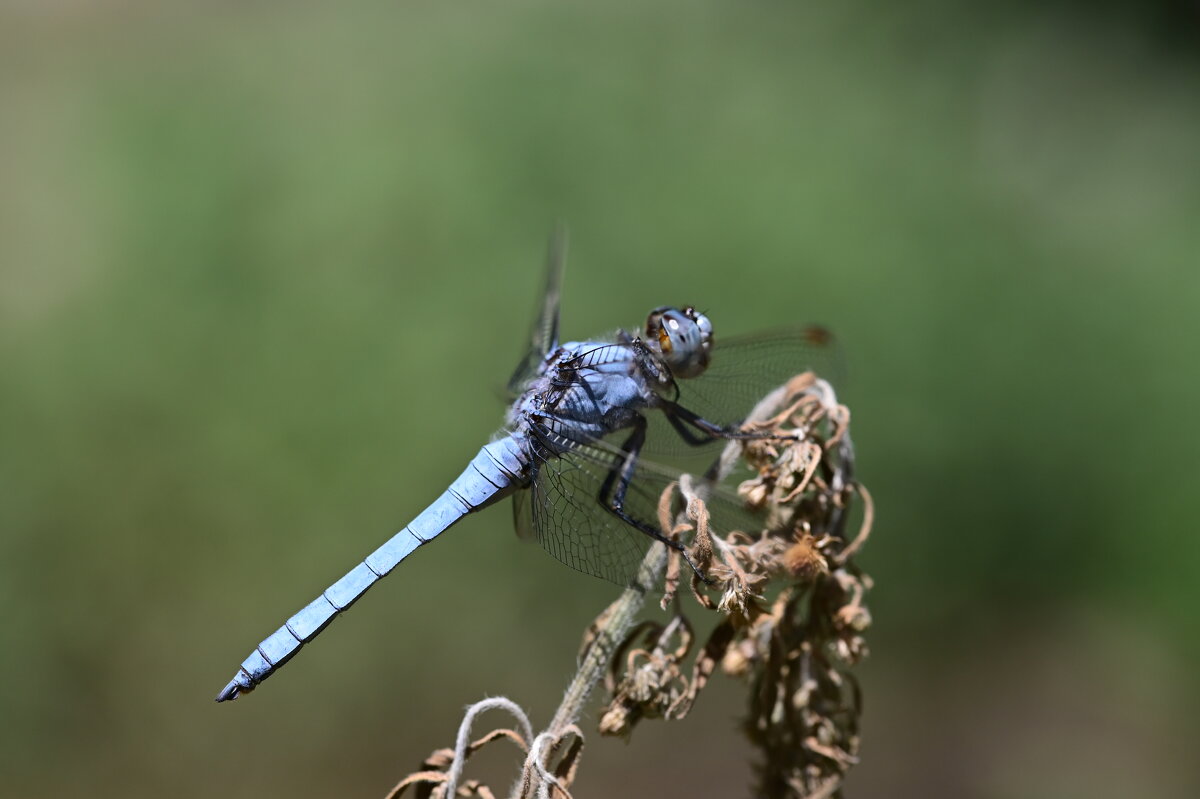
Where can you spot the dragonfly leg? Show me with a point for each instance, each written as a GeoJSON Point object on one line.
{"type": "Point", "coordinates": [622, 476]}
{"type": "Point", "coordinates": [677, 415]}
{"type": "Point", "coordinates": [687, 434]}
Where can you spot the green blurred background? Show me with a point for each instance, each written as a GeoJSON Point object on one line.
{"type": "Point", "coordinates": [265, 268]}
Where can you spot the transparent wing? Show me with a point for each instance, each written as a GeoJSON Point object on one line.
{"type": "Point", "coordinates": [572, 525]}
{"type": "Point", "coordinates": [544, 335]}
{"type": "Point", "coordinates": [568, 519]}
{"type": "Point", "coordinates": [743, 370]}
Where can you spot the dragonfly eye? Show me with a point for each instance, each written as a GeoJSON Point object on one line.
{"type": "Point", "coordinates": [683, 337]}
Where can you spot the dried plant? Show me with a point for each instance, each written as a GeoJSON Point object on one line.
{"type": "Point", "coordinates": [790, 618]}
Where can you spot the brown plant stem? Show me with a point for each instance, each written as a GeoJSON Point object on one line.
{"type": "Point", "coordinates": [611, 630]}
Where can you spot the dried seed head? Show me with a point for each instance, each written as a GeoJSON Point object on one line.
{"type": "Point", "coordinates": [754, 493]}
{"type": "Point", "coordinates": [797, 648]}
{"type": "Point", "coordinates": [615, 720]}
{"type": "Point", "coordinates": [804, 561]}
{"type": "Point", "coordinates": [737, 660]}
{"type": "Point", "coordinates": [854, 617]}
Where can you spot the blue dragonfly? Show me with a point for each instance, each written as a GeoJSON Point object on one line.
{"type": "Point", "coordinates": [583, 414]}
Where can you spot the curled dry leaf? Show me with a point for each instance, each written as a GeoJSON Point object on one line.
{"type": "Point", "coordinates": [551, 760]}
{"type": "Point", "coordinates": [652, 682]}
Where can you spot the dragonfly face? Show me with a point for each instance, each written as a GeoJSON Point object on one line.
{"type": "Point", "coordinates": [682, 337]}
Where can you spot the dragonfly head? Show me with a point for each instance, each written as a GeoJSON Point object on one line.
{"type": "Point", "coordinates": [683, 337]}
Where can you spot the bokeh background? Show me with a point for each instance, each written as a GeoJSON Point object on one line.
{"type": "Point", "coordinates": [264, 269]}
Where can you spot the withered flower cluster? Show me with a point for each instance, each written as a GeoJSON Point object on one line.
{"type": "Point", "coordinates": [789, 600]}
{"type": "Point", "coordinates": [787, 608]}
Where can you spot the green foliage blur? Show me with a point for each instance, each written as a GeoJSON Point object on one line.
{"type": "Point", "coordinates": [264, 269]}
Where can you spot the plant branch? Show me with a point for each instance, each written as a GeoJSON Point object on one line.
{"type": "Point", "coordinates": [611, 630]}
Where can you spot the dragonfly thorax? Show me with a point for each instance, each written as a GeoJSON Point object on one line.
{"type": "Point", "coordinates": [682, 338]}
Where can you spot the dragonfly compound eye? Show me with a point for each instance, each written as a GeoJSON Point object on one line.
{"type": "Point", "coordinates": [682, 337]}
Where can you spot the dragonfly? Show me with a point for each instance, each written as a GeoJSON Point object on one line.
{"type": "Point", "coordinates": [572, 452]}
